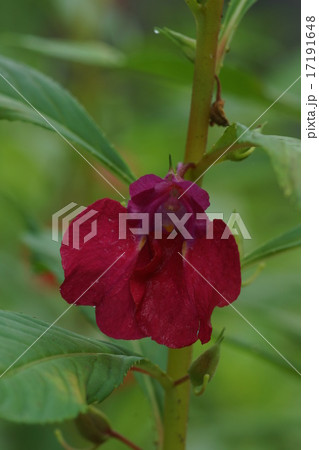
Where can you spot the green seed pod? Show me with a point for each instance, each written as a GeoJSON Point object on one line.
{"type": "Point", "coordinates": [204, 367]}
{"type": "Point", "coordinates": [94, 426]}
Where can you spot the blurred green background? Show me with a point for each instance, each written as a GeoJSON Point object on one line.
{"type": "Point", "coordinates": [143, 109]}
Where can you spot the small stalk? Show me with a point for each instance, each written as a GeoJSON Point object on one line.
{"type": "Point", "coordinates": [181, 380]}
{"type": "Point", "coordinates": [124, 440]}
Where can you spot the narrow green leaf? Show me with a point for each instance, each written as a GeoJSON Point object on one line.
{"type": "Point", "coordinates": [85, 52]}
{"type": "Point", "coordinates": [59, 376]}
{"type": "Point", "coordinates": [150, 387]}
{"type": "Point", "coordinates": [235, 12]}
{"type": "Point", "coordinates": [287, 241]}
{"type": "Point", "coordinates": [152, 61]}
{"type": "Point", "coordinates": [237, 143]}
{"type": "Point", "coordinates": [186, 44]}
{"type": "Point", "coordinates": [55, 109]}
{"type": "Point", "coordinates": [260, 353]}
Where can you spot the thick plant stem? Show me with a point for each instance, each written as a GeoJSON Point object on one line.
{"type": "Point", "coordinates": [208, 17]}
{"type": "Point", "coordinates": [177, 400]}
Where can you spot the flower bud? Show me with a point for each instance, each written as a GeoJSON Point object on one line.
{"type": "Point", "coordinates": [204, 367]}
{"type": "Point", "coordinates": [94, 426]}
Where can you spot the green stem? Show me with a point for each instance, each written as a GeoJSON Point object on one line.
{"type": "Point", "coordinates": [208, 17]}
{"type": "Point", "coordinates": [177, 400]}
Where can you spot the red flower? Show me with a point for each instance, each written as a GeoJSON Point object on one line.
{"type": "Point", "coordinates": [141, 285]}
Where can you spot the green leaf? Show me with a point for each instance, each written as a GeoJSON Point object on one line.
{"type": "Point", "coordinates": [59, 376]}
{"type": "Point", "coordinates": [85, 52]}
{"type": "Point", "coordinates": [235, 142]}
{"type": "Point", "coordinates": [260, 353]}
{"type": "Point", "coordinates": [285, 156]}
{"type": "Point", "coordinates": [238, 142]}
{"type": "Point", "coordinates": [156, 62]}
{"type": "Point", "coordinates": [235, 12]}
{"type": "Point", "coordinates": [54, 109]}
{"type": "Point", "coordinates": [186, 44]}
{"type": "Point", "coordinates": [287, 241]}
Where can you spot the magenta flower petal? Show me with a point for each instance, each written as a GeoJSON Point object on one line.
{"type": "Point", "coordinates": [143, 184]}
{"type": "Point", "coordinates": [141, 286]}
{"type": "Point", "coordinates": [115, 316]}
{"type": "Point", "coordinates": [147, 191]}
{"type": "Point", "coordinates": [217, 260]}
{"type": "Point", "coordinates": [151, 194]}
{"type": "Point", "coordinates": [92, 273]}
{"type": "Point", "coordinates": [166, 312]}
{"type": "Point", "coordinates": [197, 195]}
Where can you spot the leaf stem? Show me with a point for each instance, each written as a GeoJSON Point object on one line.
{"type": "Point", "coordinates": [216, 156]}
{"type": "Point", "coordinates": [136, 369]}
{"type": "Point", "coordinates": [150, 390]}
{"type": "Point", "coordinates": [207, 16]}
{"type": "Point", "coordinates": [154, 371]}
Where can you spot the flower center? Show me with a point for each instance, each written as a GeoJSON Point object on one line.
{"type": "Point", "coordinates": [171, 206]}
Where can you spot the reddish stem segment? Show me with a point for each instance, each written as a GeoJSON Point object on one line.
{"type": "Point", "coordinates": [123, 439]}
{"type": "Point", "coordinates": [137, 369]}
{"type": "Point", "coordinates": [181, 380]}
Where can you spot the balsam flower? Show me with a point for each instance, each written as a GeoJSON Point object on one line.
{"type": "Point", "coordinates": [141, 286]}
